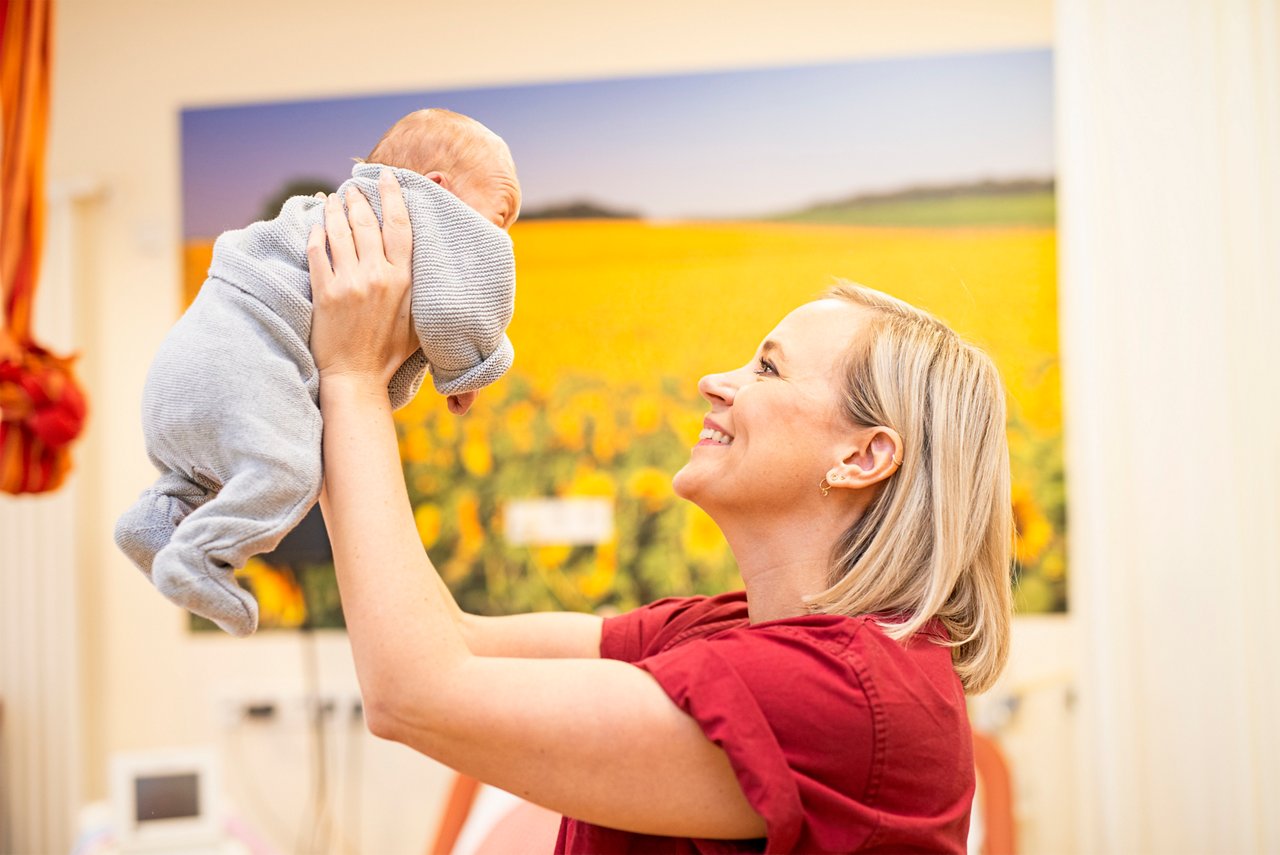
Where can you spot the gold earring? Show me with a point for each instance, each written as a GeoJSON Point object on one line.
{"type": "Point", "coordinates": [824, 487]}
{"type": "Point", "coordinates": [897, 462]}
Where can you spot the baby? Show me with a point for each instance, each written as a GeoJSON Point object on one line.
{"type": "Point", "coordinates": [230, 406]}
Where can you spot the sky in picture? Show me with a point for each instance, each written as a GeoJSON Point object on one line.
{"type": "Point", "coordinates": [727, 144]}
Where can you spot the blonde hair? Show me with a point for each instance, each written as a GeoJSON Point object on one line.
{"type": "Point", "coordinates": [937, 540]}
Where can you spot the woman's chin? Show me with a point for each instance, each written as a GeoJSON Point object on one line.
{"type": "Point", "coordinates": [681, 483]}
{"type": "Point", "coordinates": [693, 486]}
{"type": "Point", "coordinates": [689, 484]}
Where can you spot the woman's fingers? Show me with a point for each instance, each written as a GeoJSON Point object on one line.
{"type": "Point", "coordinates": [361, 324]}
{"type": "Point", "coordinates": [364, 226]}
{"type": "Point", "coordinates": [397, 235]}
{"type": "Point", "coordinates": [318, 261]}
{"type": "Point", "coordinates": [338, 230]}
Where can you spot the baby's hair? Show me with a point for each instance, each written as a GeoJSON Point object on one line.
{"type": "Point", "coordinates": [438, 140]}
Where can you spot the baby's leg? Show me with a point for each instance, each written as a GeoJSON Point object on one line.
{"type": "Point", "coordinates": [264, 500]}
{"type": "Point", "coordinates": [235, 402]}
{"type": "Point", "coordinates": [146, 527]}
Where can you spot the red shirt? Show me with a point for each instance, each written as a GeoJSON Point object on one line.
{"type": "Point", "coordinates": [842, 739]}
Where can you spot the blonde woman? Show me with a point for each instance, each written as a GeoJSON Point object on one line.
{"type": "Point", "coordinates": [858, 467]}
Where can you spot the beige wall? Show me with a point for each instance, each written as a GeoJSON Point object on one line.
{"type": "Point", "coordinates": [1169, 212]}
{"type": "Point", "coordinates": [124, 69]}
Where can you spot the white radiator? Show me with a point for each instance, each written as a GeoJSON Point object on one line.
{"type": "Point", "coordinates": [39, 677]}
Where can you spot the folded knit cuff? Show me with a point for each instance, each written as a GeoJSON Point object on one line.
{"type": "Point", "coordinates": [487, 371]}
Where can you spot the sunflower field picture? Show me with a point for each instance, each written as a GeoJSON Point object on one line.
{"type": "Point", "coordinates": [668, 223]}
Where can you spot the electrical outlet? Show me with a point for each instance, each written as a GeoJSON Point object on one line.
{"type": "Point", "coordinates": [355, 707]}
{"type": "Point", "coordinates": [248, 709]}
{"type": "Point", "coordinates": [260, 710]}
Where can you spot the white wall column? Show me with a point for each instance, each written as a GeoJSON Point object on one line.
{"type": "Point", "coordinates": [40, 602]}
{"type": "Point", "coordinates": [1169, 133]}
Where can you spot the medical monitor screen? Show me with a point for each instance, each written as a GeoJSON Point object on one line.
{"type": "Point", "coordinates": [167, 797]}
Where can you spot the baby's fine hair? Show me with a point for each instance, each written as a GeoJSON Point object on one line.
{"type": "Point", "coordinates": [439, 140]}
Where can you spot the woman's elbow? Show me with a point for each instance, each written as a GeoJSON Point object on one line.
{"type": "Point", "coordinates": [398, 718]}
{"type": "Point", "coordinates": [380, 720]}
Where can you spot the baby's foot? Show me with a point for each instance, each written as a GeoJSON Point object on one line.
{"type": "Point", "coordinates": [204, 586]}
{"type": "Point", "coordinates": [147, 526]}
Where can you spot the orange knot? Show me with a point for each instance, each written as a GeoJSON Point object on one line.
{"type": "Point", "coordinates": [42, 409]}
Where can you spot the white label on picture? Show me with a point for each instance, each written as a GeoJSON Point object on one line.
{"type": "Point", "coordinates": [558, 522]}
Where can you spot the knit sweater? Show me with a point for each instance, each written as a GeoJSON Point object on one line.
{"type": "Point", "coordinates": [463, 279]}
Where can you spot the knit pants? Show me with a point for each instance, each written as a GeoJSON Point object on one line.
{"type": "Point", "coordinates": [240, 469]}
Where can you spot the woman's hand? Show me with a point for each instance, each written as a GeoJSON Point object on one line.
{"type": "Point", "coordinates": [361, 327]}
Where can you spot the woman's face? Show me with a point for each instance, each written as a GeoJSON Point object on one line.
{"type": "Point", "coordinates": [776, 428]}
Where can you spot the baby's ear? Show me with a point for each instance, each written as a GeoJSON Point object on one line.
{"type": "Point", "coordinates": [441, 179]}
{"type": "Point", "coordinates": [460, 403]}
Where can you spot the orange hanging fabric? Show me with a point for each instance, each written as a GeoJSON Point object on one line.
{"type": "Point", "coordinates": [42, 408]}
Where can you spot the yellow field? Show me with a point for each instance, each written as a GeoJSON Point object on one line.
{"type": "Point", "coordinates": [615, 322]}
{"type": "Point", "coordinates": [196, 255]}
{"type": "Point", "coordinates": [632, 301]}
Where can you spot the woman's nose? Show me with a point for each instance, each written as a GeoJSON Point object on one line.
{"type": "Point", "coordinates": [718, 388]}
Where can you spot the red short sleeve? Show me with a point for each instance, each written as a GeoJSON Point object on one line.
{"type": "Point", "coordinates": [650, 629]}
{"type": "Point", "coordinates": [800, 732]}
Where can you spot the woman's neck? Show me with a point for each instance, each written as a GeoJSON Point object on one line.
{"type": "Point", "coordinates": [783, 561]}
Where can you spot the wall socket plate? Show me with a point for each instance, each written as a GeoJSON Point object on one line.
{"type": "Point", "coordinates": [287, 709]}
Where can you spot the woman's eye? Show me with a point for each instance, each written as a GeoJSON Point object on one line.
{"type": "Point", "coordinates": [764, 366]}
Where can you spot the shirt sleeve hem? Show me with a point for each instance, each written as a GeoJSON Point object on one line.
{"type": "Point", "coordinates": [757, 760]}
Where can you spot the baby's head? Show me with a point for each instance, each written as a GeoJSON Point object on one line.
{"type": "Point", "coordinates": [458, 153]}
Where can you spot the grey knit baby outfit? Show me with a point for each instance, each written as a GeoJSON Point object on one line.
{"type": "Point", "coordinates": [230, 409]}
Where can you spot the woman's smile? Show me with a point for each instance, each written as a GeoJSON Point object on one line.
{"type": "Point", "coordinates": [713, 434]}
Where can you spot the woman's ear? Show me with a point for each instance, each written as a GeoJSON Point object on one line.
{"type": "Point", "coordinates": [875, 455]}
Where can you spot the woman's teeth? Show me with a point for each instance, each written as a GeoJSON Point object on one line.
{"type": "Point", "coordinates": [711, 433]}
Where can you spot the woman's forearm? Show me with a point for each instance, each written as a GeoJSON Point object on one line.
{"type": "Point", "coordinates": [369, 541]}
{"type": "Point", "coordinates": [400, 619]}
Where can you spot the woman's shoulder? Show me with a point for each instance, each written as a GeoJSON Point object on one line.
{"type": "Point", "coordinates": [860, 643]}
{"type": "Point", "coordinates": [668, 622]}
{"type": "Point", "coordinates": [862, 640]}
{"type": "Point", "coordinates": [827, 707]}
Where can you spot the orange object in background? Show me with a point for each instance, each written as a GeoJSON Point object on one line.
{"type": "Point", "coordinates": [42, 408]}
{"type": "Point", "coordinates": [1000, 836]}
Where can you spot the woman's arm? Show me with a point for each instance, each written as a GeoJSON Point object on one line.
{"type": "Point", "coordinates": [551, 634]}
{"type": "Point", "coordinates": [594, 739]}
{"type": "Point", "coordinates": [537, 635]}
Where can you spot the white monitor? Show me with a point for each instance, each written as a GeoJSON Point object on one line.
{"type": "Point", "coordinates": [166, 800]}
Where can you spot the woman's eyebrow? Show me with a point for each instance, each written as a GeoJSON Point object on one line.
{"type": "Point", "coordinates": [771, 346]}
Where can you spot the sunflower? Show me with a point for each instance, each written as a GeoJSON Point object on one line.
{"type": "Point", "coordinates": [651, 486]}
{"type": "Point", "coordinates": [280, 600]}
{"type": "Point", "coordinates": [1033, 531]}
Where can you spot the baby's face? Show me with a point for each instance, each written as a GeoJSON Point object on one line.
{"type": "Point", "coordinates": [492, 190]}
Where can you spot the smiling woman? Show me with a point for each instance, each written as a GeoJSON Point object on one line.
{"type": "Point", "coordinates": [858, 469]}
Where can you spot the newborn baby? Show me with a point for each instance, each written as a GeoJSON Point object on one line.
{"type": "Point", "coordinates": [230, 408]}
